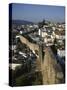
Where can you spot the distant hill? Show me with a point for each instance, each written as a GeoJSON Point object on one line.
{"type": "Point", "coordinates": [20, 22]}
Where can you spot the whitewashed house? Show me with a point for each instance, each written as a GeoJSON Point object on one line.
{"type": "Point", "coordinates": [61, 52]}
{"type": "Point", "coordinates": [44, 33]}
{"type": "Point", "coordinates": [54, 28]}
{"type": "Point", "coordinates": [60, 34]}
{"type": "Point", "coordinates": [39, 32]}
{"type": "Point", "coordinates": [14, 65]}
{"type": "Point", "coordinates": [48, 41]}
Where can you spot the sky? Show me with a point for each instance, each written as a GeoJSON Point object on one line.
{"type": "Point", "coordinates": [36, 13]}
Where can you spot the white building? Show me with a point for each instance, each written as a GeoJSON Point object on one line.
{"type": "Point", "coordinates": [43, 32]}
{"type": "Point", "coordinates": [60, 37]}
{"type": "Point", "coordinates": [60, 52]}
{"type": "Point", "coordinates": [53, 28]}
{"type": "Point", "coordinates": [13, 66]}
{"type": "Point", "coordinates": [35, 26]}
{"type": "Point", "coordinates": [21, 32]}
{"type": "Point", "coordinates": [60, 34]}
{"type": "Point", "coordinates": [39, 32]}
{"type": "Point", "coordinates": [13, 47]}
{"type": "Point", "coordinates": [48, 41]}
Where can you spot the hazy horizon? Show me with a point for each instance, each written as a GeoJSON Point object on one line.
{"type": "Point", "coordinates": [36, 13]}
